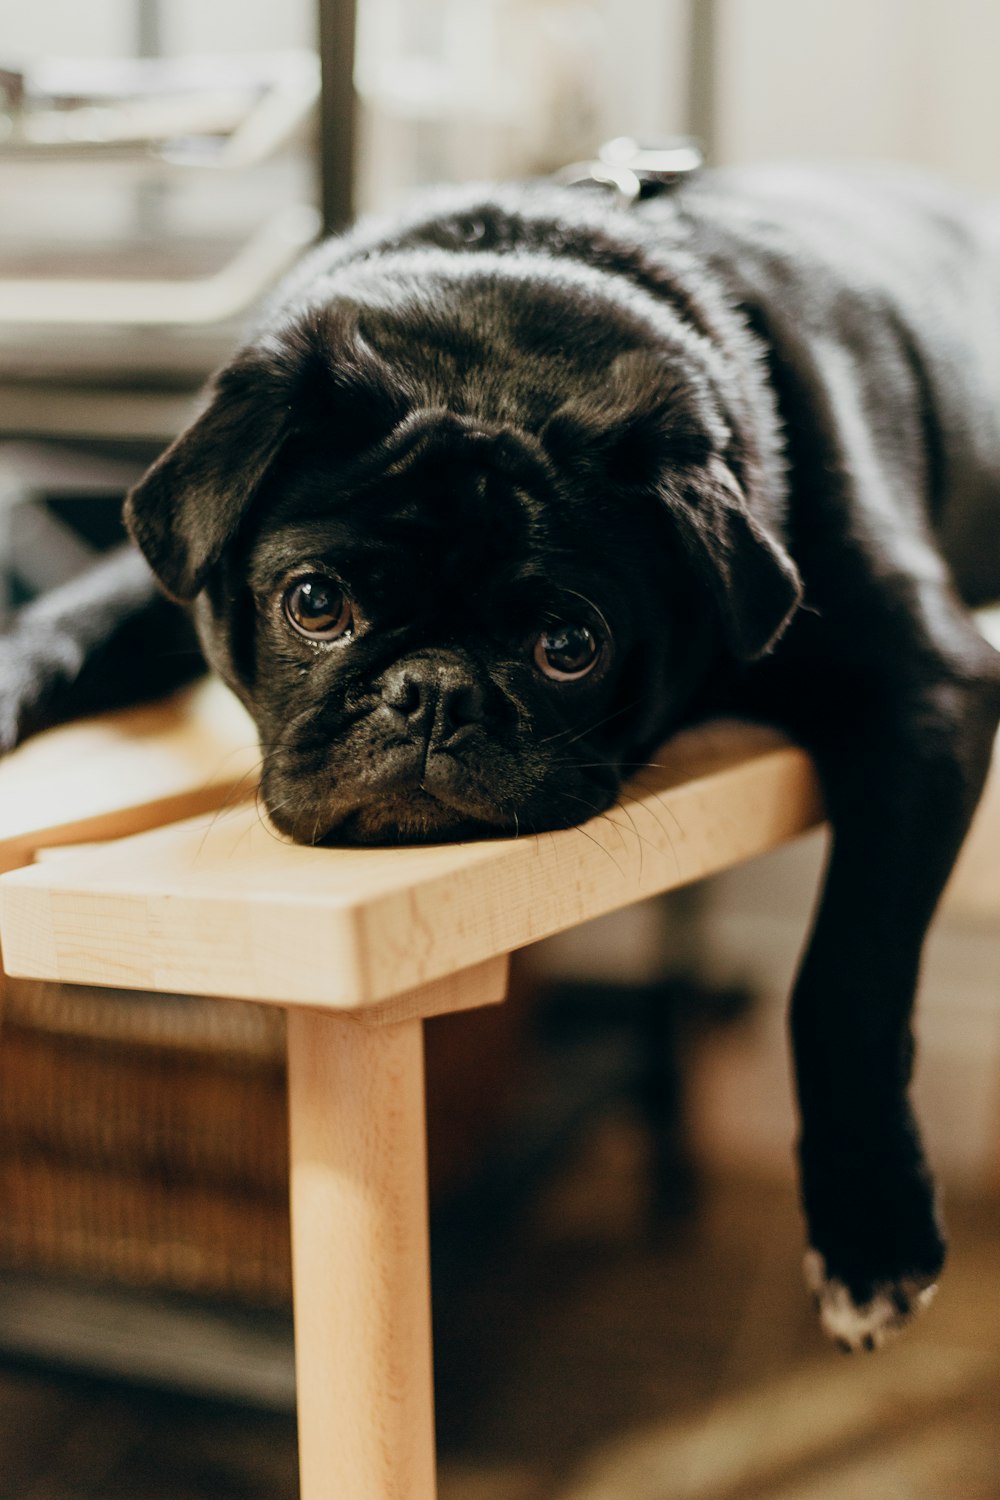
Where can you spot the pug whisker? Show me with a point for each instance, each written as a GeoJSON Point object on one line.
{"type": "Point", "coordinates": [659, 798]}
{"type": "Point", "coordinates": [596, 812]}
{"type": "Point", "coordinates": [580, 828]}
{"type": "Point", "coordinates": [232, 799]}
{"type": "Point", "coordinates": [638, 766]}
{"type": "Point", "coordinates": [235, 792]}
{"type": "Point", "coordinates": [640, 839]}
{"type": "Point", "coordinates": [245, 831]}
{"type": "Point", "coordinates": [608, 719]}
{"type": "Point", "coordinates": [605, 817]}
{"type": "Point", "coordinates": [266, 813]}
{"type": "Point", "coordinates": [661, 825]}
{"type": "Point", "coordinates": [591, 728]}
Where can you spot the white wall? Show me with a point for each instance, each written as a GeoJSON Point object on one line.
{"type": "Point", "coordinates": [468, 89]}
{"type": "Point", "coordinates": [107, 28]}
{"type": "Point", "coordinates": [237, 25]}
{"type": "Point", "coordinates": [96, 28]}
{"type": "Point", "coordinates": [643, 79]}
{"type": "Point", "coordinates": [910, 80]}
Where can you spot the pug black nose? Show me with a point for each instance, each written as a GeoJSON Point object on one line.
{"type": "Point", "coordinates": [434, 699]}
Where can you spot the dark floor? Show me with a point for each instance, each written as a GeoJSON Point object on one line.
{"type": "Point", "coordinates": [586, 1362]}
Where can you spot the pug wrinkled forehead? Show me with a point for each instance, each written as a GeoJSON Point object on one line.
{"type": "Point", "coordinates": [448, 539]}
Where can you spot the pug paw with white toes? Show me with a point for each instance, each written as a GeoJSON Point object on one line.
{"type": "Point", "coordinates": [865, 1326]}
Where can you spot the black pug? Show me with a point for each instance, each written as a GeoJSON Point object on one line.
{"type": "Point", "coordinates": [502, 493]}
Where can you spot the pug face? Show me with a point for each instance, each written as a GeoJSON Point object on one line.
{"type": "Point", "coordinates": [466, 557]}
{"type": "Point", "coordinates": [440, 651]}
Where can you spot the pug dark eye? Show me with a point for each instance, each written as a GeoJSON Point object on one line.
{"type": "Point", "coordinates": [565, 651]}
{"type": "Point", "coordinates": [318, 608]}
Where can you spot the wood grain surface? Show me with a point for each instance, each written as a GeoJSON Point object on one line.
{"type": "Point", "coordinates": [107, 777]}
{"type": "Point", "coordinates": [221, 905]}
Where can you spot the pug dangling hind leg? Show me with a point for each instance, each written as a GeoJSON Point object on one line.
{"type": "Point", "coordinates": [902, 768]}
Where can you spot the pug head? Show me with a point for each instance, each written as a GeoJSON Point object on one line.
{"type": "Point", "coordinates": [459, 598]}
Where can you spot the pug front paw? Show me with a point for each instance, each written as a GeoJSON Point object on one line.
{"type": "Point", "coordinates": [37, 666]}
{"type": "Point", "coordinates": [867, 1325]}
{"type": "Point", "coordinates": [16, 692]}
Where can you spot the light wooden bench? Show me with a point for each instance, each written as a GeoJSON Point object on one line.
{"type": "Point", "coordinates": [360, 946]}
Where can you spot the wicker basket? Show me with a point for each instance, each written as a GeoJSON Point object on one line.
{"type": "Point", "coordinates": [143, 1138]}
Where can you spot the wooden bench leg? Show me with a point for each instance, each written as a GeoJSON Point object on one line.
{"type": "Point", "coordinates": [360, 1259]}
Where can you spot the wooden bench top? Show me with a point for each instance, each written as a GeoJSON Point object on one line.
{"type": "Point", "coordinates": [222, 905]}
{"type": "Point", "coordinates": [138, 768]}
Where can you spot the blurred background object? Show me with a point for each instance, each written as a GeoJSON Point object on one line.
{"type": "Point", "coordinates": [161, 163]}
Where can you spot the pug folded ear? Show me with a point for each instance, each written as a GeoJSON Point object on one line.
{"type": "Point", "coordinates": [189, 504]}
{"type": "Point", "coordinates": [753, 581]}
{"type": "Point", "coordinates": [317, 374]}
{"type": "Point", "coordinates": [654, 425]}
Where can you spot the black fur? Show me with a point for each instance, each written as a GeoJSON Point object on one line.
{"type": "Point", "coordinates": [749, 439]}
